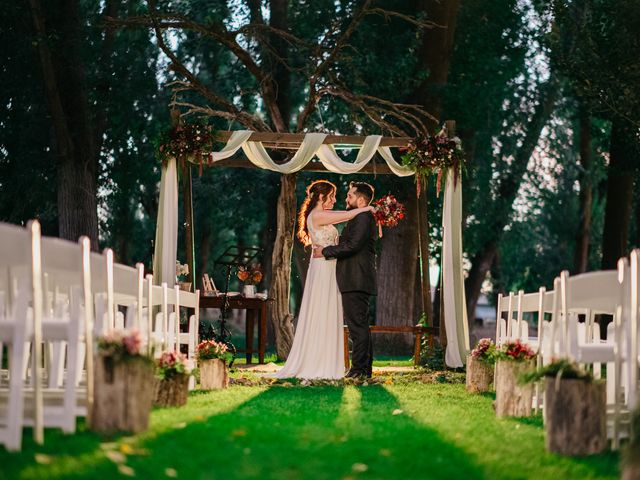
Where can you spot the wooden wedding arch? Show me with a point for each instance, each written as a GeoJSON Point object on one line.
{"type": "Point", "coordinates": [453, 306]}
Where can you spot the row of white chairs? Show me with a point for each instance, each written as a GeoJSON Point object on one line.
{"type": "Point", "coordinates": [567, 328]}
{"type": "Point", "coordinates": [52, 292]}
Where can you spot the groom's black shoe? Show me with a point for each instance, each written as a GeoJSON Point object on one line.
{"type": "Point", "coordinates": [355, 374]}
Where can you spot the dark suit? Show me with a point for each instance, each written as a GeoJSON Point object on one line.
{"type": "Point", "coordinates": [356, 276]}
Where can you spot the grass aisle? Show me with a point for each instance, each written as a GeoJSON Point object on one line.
{"type": "Point", "coordinates": [408, 430]}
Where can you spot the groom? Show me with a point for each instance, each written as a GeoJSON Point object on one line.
{"type": "Point", "coordinates": [356, 275]}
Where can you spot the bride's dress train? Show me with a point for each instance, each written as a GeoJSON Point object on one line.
{"type": "Point", "coordinates": [317, 351]}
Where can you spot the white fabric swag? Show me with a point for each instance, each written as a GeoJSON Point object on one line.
{"type": "Point", "coordinates": [312, 146]}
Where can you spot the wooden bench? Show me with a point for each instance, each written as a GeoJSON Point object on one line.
{"type": "Point", "coordinates": [418, 331]}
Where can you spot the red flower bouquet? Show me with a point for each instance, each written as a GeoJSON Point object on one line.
{"type": "Point", "coordinates": [515, 351]}
{"type": "Point", "coordinates": [389, 212]}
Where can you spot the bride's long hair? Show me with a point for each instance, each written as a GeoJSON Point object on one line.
{"type": "Point", "coordinates": [314, 190]}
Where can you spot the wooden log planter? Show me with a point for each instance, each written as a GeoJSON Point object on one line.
{"type": "Point", "coordinates": [479, 375]}
{"type": "Point", "coordinates": [213, 374]}
{"type": "Point", "coordinates": [575, 416]}
{"type": "Point", "coordinates": [512, 398]}
{"type": "Point", "coordinates": [172, 391]}
{"type": "Point", "coordinates": [123, 394]}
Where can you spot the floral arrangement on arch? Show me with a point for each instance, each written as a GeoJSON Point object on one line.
{"type": "Point", "coordinates": [189, 140]}
{"type": "Point", "coordinates": [210, 349]}
{"type": "Point", "coordinates": [515, 351]}
{"type": "Point", "coordinates": [170, 364]}
{"type": "Point", "coordinates": [121, 345]}
{"type": "Point", "coordinates": [251, 275]}
{"type": "Point", "coordinates": [434, 155]}
{"type": "Point", "coordinates": [485, 351]}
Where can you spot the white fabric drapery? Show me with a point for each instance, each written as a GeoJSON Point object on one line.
{"type": "Point", "coordinates": [455, 305]}
{"type": "Point", "coordinates": [312, 145]}
{"type": "Point", "coordinates": [166, 246]}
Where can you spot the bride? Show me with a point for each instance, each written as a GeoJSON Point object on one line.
{"type": "Point", "coordinates": [317, 350]}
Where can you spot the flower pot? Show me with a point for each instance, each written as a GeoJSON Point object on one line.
{"type": "Point", "coordinates": [213, 374]}
{"type": "Point", "coordinates": [123, 394]}
{"type": "Point", "coordinates": [186, 286]}
{"type": "Point", "coordinates": [575, 416]}
{"type": "Point", "coordinates": [172, 391]}
{"type": "Point", "coordinates": [249, 291]}
{"type": "Point", "coordinates": [479, 375]}
{"type": "Point", "coordinates": [512, 398]}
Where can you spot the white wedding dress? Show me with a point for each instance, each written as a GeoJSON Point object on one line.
{"type": "Point", "coordinates": [317, 351]}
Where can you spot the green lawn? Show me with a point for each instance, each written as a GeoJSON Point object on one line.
{"type": "Point", "coordinates": [327, 432]}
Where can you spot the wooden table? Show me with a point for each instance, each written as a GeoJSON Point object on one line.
{"type": "Point", "coordinates": [253, 306]}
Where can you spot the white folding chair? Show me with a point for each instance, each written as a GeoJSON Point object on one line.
{"type": "Point", "coordinates": [590, 294]}
{"type": "Point", "coordinates": [503, 326]}
{"type": "Point", "coordinates": [21, 283]}
{"type": "Point", "coordinates": [64, 330]}
{"type": "Point", "coordinates": [190, 338]}
{"type": "Point", "coordinates": [633, 337]}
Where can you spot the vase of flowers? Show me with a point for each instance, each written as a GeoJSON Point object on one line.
{"type": "Point", "coordinates": [182, 272]}
{"type": "Point", "coordinates": [480, 366]}
{"type": "Point", "coordinates": [123, 384]}
{"type": "Point", "coordinates": [172, 380]}
{"type": "Point", "coordinates": [513, 398]}
{"type": "Point", "coordinates": [250, 276]}
{"type": "Point", "coordinates": [212, 359]}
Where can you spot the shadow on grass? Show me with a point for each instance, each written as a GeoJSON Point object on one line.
{"type": "Point", "coordinates": [280, 433]}
{"type": "Point", "coordinates": [315, 433]}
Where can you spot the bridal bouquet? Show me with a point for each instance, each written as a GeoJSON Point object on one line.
{"type": "Point", "coordinates": [389, 212]}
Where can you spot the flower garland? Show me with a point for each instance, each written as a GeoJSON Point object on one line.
{"type": "Point", "coordinates": [437, 154]}
{"type": "Point", "coordinates": [388, 212]}
{"type": "Point", "coordinates": [192, 140]}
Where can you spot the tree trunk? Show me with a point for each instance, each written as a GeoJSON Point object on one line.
{"type": "Point", "coordinates": [581, 254]}
{"type": "Point", "coordinates": [480, 266]}
{"type": "Point", "coordinates": [214, 374]}
{"type": "Point", "coordinates": [434, 56]}
{"type": "Point", "coordinates": [435, 53]}
{"type": "Point", "coordinates": [479, 375]}
{"type": "Point", "coordinates": [397, 268]}
{"type": "Point", "coordinates": [204, 250]}
{"type": "Point", "coordinates": [76, 146]}
{"type": "Point", "coordinates": [622, 163]}
{"type": "Point", "coordinates": [575, 416]}
{"type": "Point", "coordinates": [507, 192]}
{"type": "Point", "coordinates": [513, 399]}
{"type": "Point", "coordinates": [281, 317]}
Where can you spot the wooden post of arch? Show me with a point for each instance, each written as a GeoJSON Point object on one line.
{"type": "Point", "coordinates": [187, 199]}
{"type": "Point", "coordinates": [450, 130]}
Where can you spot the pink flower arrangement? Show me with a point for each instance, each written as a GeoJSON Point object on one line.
{"type": "Point", "coordinates": [121, 344]}
{"type": "Point", "coordinates": [172, 363]}
{"type": "Point", "coordinates": [210, 349]}
{"type": "Point", "coordinates": [485, 350]}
